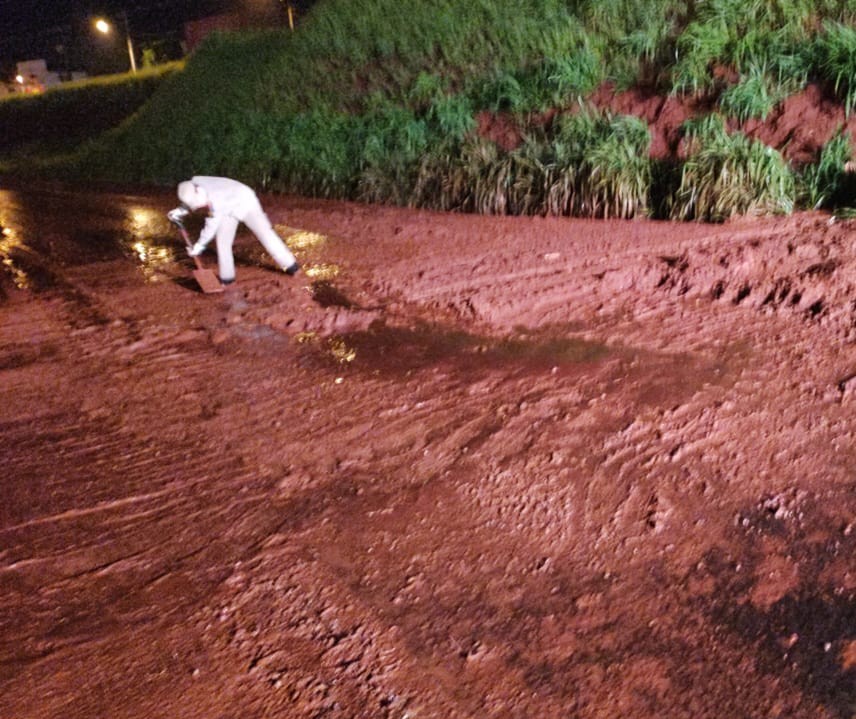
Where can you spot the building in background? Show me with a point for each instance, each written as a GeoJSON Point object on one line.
{"type": "Point", "coordinates": [33, 76]}
{"type": "Point", "coordinates": [195, 31]}
{"type": "Point", "coordinates": [158, 36]}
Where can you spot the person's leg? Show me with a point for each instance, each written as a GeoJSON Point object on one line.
{"type": "Point", "coordinates": [225, 239]}
{"type": "Point", "coordinates": [260, 226]}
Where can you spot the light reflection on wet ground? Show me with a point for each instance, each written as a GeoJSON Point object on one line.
{"type": "Point", "coordinates": [9, 243]}
{"type": "Point", "coordinates": [44, 231]}
{"type": "Point", "coordinates": [300, 240]}
{"type": "Point", "coordinates": [322, 272]}
{"type": "Point", "coordinates": [154, 258]}
{"type": "Point", "coordinates": [340, 349]}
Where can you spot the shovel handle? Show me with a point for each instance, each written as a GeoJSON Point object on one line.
{"type": "Point", "coordinates": [184, 235]}
{"type": "Point", "coordinates": [188, 245]}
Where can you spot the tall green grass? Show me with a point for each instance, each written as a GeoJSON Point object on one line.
{"type": "Point", "coordinates": [632, 36]}
{"type": "Point", "coordinates": [316, 155]}
{"type": "Point", "coordinates": [376, 100]}
{"type": "Point", "coordinates": [600, 167]}
{"type": "Point", "coordinates": [754, 96]}
{"type": "Point", "coordinates": [834, 57]}
{"type": "Point", "coordinates": [824, 183]}
{"type": "Point", "coordinates": [742, 34]}
{"type": "Point", "coordinates": [587, 164]}
{"type": "Point", "coordinates": [350, 49]}
{"type": "Point", "coordinates": [536, 88]}
{"type": "Point", "coordinates": [394, 140]}
{"type": "Point", "coordinates": [211, 122]}
{"type": "Point", "coordinates": [729, 174]}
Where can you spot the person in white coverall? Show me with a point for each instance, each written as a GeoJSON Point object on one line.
{"type": "Point", "coordinates": [229, 203]}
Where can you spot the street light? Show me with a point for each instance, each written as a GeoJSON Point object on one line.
{"type": "Point", "coordinates": [104, 27]}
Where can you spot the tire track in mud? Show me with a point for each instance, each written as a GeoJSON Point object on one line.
{"type": "Point", "coordinates": [73, 445]}
{"type": "Point", "coordinates": [368, 519]}
{"type": "Point", "coordinates": [588, 506]}
{"type": "Point", "coordinates": [771, 424]}
{"type": "Point", "coordinates": [118, 441]}
{"type": "Point", "coordinates": [448, 526]}
{"type": "Point", "coordinates": [801, 266]}
{"type": "Point", "coordinates": [368, 568]}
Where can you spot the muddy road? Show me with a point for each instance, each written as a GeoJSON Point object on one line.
{"type": "Point", "coordinates": [461, 466]}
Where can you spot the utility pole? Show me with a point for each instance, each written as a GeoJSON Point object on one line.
{"type": "Point", "coordinates": [130, 43]}
{"type": "Point", "coordinates": [289, 9]}
{"type": "Point", "coordinates": [106, 28]}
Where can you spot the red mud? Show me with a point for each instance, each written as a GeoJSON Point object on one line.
{"type": "Point", "coordinates": [462, 467]}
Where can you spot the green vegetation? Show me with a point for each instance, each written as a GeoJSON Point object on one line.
{"type": "Point", "coordinates": [746, 34]}
{"type": "Point", "coordinates": [588, 164]}
{"type": "Point", "coordinates": [65, 115]}
{"type": "Point", "coordinates": [729, 174]}
{"type": "Point", "coordinates": [754, 96]}
{"type": "Point", "coordinates": [834, 58]}
{"type": "Point", "coordinates": [824, 183]}
{"type": "Point", "coordinates": [379, 101]}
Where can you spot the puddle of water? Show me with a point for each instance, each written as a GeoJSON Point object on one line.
{"type": "Point", "coordinates": [26, 269]}
{"type": "Point", "coordinates": [143, 235]}
{"type": "Point", "coordinates": [9, 244]}
{"type": "Point", "coordinates": [67, 230]}
{"type": "Point", "coordinates": [46, 231]}
{"type": "Point", "coordinates": [154, 260]}
{"type": "Point", "coordinates": [399, 350]}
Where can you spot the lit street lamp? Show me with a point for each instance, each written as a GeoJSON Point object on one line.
{"type": "Point", "coordinates": [104, 27]}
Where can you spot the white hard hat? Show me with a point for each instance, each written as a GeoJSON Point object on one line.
{"type": "Point", "coordinates": [192, 195]}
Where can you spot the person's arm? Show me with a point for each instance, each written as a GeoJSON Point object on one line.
{"type": "Point", "coordinates": [850, 166]}
{"type": "Point", "coordinates": [209, 229]}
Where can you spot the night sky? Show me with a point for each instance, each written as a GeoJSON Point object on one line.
{"type": "Point", "coordinates": [60, 31]}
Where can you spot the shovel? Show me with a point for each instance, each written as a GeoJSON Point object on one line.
{"type": "Point", "coordinates": [207, 280]}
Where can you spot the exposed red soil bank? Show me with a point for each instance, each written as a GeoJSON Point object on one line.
{"type": "Point", "coordinates": [798, 127]}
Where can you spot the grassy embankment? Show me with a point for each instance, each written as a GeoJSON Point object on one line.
{"type": "Point", "coordinates": [375, 100]}
{"type": "Point", "coordinates": [59, 119]}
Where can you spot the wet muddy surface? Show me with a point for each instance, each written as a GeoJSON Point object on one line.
{"type": "Point", "coordinates": [460, 466]}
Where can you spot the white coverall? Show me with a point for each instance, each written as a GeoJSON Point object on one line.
{"type": "Point", "coordinates": [229, 203]}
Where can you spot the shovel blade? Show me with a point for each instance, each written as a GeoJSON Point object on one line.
{"type": "Point", "coordinates": [207, 280]}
